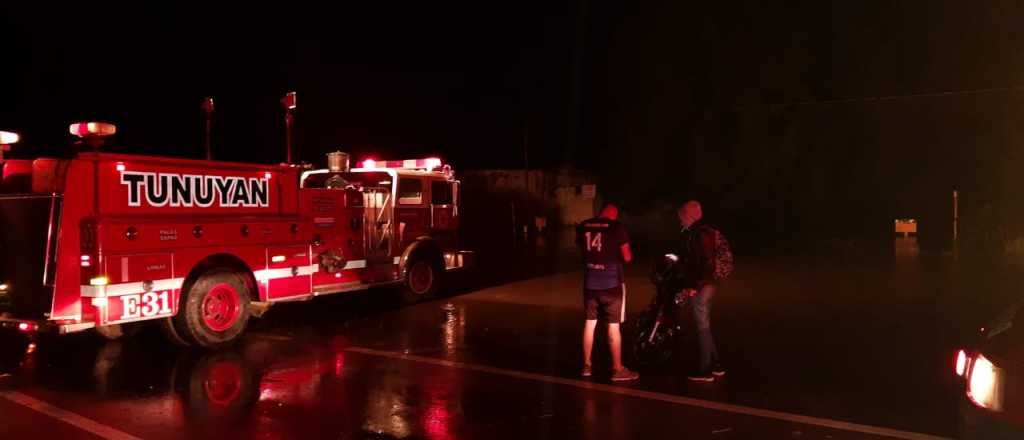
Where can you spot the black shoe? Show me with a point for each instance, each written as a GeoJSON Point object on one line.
{"type": "Point", "coordinates": [701, 377]}
{"type": "Point", "coordinates": [718, 370]}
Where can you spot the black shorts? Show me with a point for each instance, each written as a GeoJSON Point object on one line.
{"type": "Point", "coordinates": [606, 304]}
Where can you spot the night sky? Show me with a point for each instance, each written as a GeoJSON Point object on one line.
{"type": "Point", "coordinates": [401, 80]}
{"type": "Point", "coordinates": [808, 118]}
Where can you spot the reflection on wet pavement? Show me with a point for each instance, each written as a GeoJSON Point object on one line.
{"type": "Point", "coordinates": [453, 330]}
{"type": "Point", "coordinates": [301, 373]}
{"type": "Point", "coordinates": [282, 388]}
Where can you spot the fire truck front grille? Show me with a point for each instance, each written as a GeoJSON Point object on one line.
{"type": "Point", "coordinates": [26, 254]}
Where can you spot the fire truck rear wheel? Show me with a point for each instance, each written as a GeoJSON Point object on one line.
{"type": "Point", "coordinates": [214, 310]}
{"type": "Point", "coordinates": [422, 281]}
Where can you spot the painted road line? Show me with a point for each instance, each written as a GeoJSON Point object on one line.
{"type": "Point", "coordinates": [650, 395]}
{"type": "Point", "coordinates": [68, 417]}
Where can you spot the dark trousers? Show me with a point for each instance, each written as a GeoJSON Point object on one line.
{"type": "Point", "coordinates": [700, 305]}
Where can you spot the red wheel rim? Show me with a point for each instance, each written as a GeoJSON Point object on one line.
{"type": "Point", "coordinates": [421, 277]}
{"type": "Point", "coordinates": [223, 383]}
{"type": "Point", "coordinates": [221, 307]}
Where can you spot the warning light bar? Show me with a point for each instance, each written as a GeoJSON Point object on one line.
{"type": "Point", "coordinates": [92, 129]}
{"type": "Point", "coordinates": [9, 137]}
{"type": "Point", "coordinates": [428, 164]}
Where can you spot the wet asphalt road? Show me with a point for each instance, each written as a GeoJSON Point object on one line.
{"type": "Point", "coordinates": [861, 348]}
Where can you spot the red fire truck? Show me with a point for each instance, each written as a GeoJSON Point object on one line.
{"type": "Point", "coordinates": [106, 240]}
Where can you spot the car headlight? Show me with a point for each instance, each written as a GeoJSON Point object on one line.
{"type": "Point", "coordinates": [984, 387]}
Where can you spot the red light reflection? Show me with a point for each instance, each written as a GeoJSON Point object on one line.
{"type": "Point", "coordinates": [223, 384]}
{"type": "Point", "coordinates": [436, 421]}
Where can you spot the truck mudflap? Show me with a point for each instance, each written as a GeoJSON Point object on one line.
{"type": "Point", "coordinates": [459, 260]}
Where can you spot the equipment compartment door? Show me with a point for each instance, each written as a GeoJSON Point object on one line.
{"type": "Point", "coordinates": [379, 232]}
{"type": "Point", "coordinates": [289, 274]}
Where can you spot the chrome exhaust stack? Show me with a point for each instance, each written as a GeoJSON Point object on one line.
{"type": "Point", "coordinates": [338, 162]}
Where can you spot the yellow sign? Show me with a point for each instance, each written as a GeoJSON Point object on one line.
{"type": "Point", "coordinates": [906, 226]}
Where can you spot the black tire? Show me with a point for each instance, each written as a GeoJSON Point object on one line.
{"type": "Point", "coordinates": [423, 279]}
{"type": "Point", "coordinates": [653, 352]}
{"type": "Point", "coordinates": [213, 311]}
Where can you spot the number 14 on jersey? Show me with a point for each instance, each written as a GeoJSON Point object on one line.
{"type": "Point", "coordinates": [593, 241]}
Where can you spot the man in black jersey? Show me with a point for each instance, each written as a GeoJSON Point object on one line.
{"type": "Point", "coordinates": [605, 247]}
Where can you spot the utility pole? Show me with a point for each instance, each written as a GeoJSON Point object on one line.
{"type": "Point", "coordinates": [956, 224]}
{"type": "Point", "coordinates": [526, 155]}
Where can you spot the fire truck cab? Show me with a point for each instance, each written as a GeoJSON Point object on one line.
{"type": "Point", "coordinates": [107, 240]}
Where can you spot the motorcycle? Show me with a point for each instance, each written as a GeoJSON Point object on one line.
{"type": "Point", "coordinates": [657, 328]}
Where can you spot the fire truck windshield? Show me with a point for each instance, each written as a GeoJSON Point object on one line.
{"type": "Point", "coordinates": [347, 180]}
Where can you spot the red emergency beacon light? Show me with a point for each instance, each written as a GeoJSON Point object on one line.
{"type": "Point", "coordinates": [7, 138]}
{"type": "Point", "coordinates": [201, 246]}
{"type": "Point", "coordinates": [91, 129]}
{"type": "Point", "coordinates": [428, 164]}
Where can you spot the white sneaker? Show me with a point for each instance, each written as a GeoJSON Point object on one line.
{"type": "Point", "coordinates": [587, 371]}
